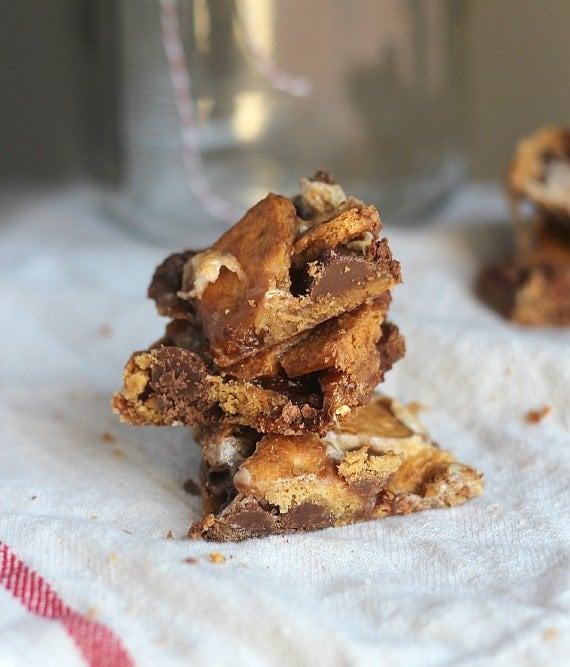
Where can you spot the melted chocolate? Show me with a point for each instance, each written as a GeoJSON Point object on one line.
{"type": "Point", "coordinates": [166, 283]}
{"type": "Point", "coordinates": [301, 391]}
{"type": "Point", "coordinates": [336, 271]}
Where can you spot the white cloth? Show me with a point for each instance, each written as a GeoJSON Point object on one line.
{"type": "Point", "coordinates": [87, 502]}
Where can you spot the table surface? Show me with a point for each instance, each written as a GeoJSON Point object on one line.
{"type": "Point", "coordinates": [89, 572]}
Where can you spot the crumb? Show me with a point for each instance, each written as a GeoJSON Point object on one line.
{"type": "Point", "coordinates": [251, 302]}
{"type": "Point", "coordinates": [415, 407]}
{"type": "Point", "coordinates": [126, 531]}
{"type": "Point", "coordinates": [508, 370]}
{"type": "Point", "coordinates": [190, 560]}
{"type": "Point", "coordinates": [216, 557]}
{"type": "Point", "coordinates": [347, 269]}
{"type": "Point", "coordinates": [33, 497]}
{"type": "Point", "coordinates": [160, 641]}
{"type": "Point", "coordinates": [343, 410]}
{"type": "Point", "coordinates": [227, 311]}
{"type": "Point", "coordinates": [550, 633]}
{"type": "Point", "coordinates": [91, 612]}
{"type": "Point", "coordinates": [191, 487]}
{"type": "Point", "coordinates": [57, 416]}
{"type": "Point", "coordinates": [313, 269]}
{"type": "Point", "coordinates": [112, 558]}
{"type": "Point", "coordinates": [108, 437]}
{"type": "Point", "coordinates": [169, 535]}
{"type": "Point", "coordinates": [118, 453]}
{"type": "Point", "coordinates": [535, 416]}
{"type": "Point", "coordinates": [94, 516]}
{"type": "Point", "coordinates": [105, 330]}
{"type": "Point", "coordinates": [131, 609]}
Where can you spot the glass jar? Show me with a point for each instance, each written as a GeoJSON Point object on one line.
{"type": "Point", "coordinates": [223, 101]}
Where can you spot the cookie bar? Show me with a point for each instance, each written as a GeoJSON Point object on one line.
{"type": "Point", "coordinates": [380, 462]}
{"type": "Point", "coordinates": [532, 286]}
{"type": "Point", "coordinates": [310, 383]}
{"type": "Point", "coordinates": [285, 267]}
{"type": "Point", "coordinates": [540, 173]}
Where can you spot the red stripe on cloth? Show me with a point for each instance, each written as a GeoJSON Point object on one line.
{"type": "Point", "coordinates": [97, 643]}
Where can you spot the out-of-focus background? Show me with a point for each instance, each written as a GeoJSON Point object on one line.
{"type": "Point", "coordinates": [394, 90]}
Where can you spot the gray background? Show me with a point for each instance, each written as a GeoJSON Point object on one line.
{"type": "Point", "coordinates": [59, 91]}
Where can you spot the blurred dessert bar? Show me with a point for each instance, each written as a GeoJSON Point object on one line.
{"type": "Point", "coordinates": [532, 285]}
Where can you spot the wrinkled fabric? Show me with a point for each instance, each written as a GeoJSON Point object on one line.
{"type": "Point", "coordinates": [98, 508]}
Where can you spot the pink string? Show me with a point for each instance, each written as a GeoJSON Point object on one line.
{"type": "Point", "coordinates": [180, 77]}
{"type": "Point", "coordinates": [266, 66]}
{"type": "Point", "coordinates": [98, 644]}
{"type": "Point", "coordinates": [181, 83]}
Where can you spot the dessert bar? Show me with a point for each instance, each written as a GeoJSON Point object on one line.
{"type": "Point", "coordinates": [532, 285]}
{"type": "Point", "coordinates": [284, 268]}
{"type": "Point", "coordinates": [278, 336]}
{"type": "Point", "coordinates": [310, 383]}
{"type": "Point", "coordinates": [380, 462]}
{"type": "Point", "coordinates": [532, 288]}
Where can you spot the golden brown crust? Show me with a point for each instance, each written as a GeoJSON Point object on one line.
{"type": "Point", "coordinates": [340, 230]}
{"type": "Point", "coordinates": [170, 384]}
{"type": "Point", "coordinates": [273, 276]}
{"type": "Point", "coordinates": [261, 244]}
{"type": "Point", "coordinates": [382, 462]}
{"type": "Point", "coordinates": [303, 349]}
{"type": "Point", "coordinates": [532, 289]}
{"type": "Point", "coordinates": [341, 343]}
{"type": "Point", "coordinates": [534, 172]}
{"type": "Point", "coordinates": [531, 286]}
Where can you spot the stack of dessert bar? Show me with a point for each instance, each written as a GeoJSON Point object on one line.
{"type": "Point", "coordinates": [278, 336]}
{"type": "Point", "coordinates": [532, 285]}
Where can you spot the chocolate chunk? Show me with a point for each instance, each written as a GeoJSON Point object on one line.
{"type": "Point", "coordinates": [334, 272]}
{"type": "Point", "coordinates": [167, 282]}
{"type": "Point", "coordinates": [307, 516]}
{"type": "Point", "coordinates": [247, 518]}
{"type": "Point", "coordinates": [242, 519]}
{"type": "Point", "coordinates": [380, 463]}
{"type": "Point", "coordinates": [324, 177]}
{"type": "Point", "coordinates": [317, 382]}
{"type": "Point", "coordinates": [241, 292]}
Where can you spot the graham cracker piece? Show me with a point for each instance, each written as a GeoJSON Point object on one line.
{"type": "Point", "coordinates": [381, 462]}
{"type": "Point", "coordinates": [274, 275]}
{"type": "Point", "coordinates": [176, 385]}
